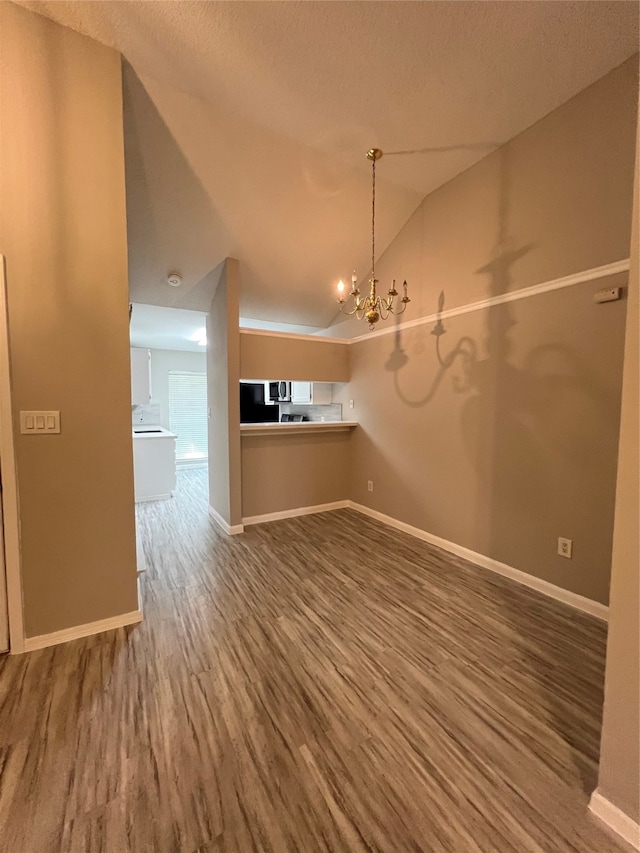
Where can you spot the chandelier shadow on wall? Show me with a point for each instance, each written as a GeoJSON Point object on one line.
{"type": "Point", "coordinates": [372, 307]}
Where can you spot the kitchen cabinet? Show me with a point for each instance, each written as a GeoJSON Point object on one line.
{"type": "Point", "coordinates": [154, 463]}
{"type": "Point", "coordinates": [140, 376]}
{"type": "Point", "coordinates": [311, 393]}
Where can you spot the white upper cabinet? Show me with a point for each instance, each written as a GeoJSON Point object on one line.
{"type": "Point", "coordinates": [311, 393]}
{"type": "Point", "coordinates": [140, 376]}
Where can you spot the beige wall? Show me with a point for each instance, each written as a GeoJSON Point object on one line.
{"type": "Point", "coordinates": [619, 778]}
{"type": "Point", "coordinates": [268, 356]}
{"type": "Point", "coordinates": [63, 231]}
{"type": "Point", "coordinates": [163, 361]}
{"type": "Point", "coordinates": [281, 472]}
{"type": "Point", "coordinates": [223, 384]}
{"type": "Point", "coordinates": [498, 448]}
{"type": "Point", "coordinates": [510, 440]}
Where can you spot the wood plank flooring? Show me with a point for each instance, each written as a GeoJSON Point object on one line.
{"type": "Point", "coordinates": [317, 684]}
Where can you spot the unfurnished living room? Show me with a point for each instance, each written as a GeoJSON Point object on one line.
{"type": "Point", "coordinates": [319, 427]}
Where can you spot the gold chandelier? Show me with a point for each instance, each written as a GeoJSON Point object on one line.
{"type": "Point", "coordinates": [372, 307]}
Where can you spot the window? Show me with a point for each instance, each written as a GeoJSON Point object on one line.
{"type": "Point", "coordinates": [188, 415]}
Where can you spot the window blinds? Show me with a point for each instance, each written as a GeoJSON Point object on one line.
{"type": "Point", "coordinates": [188, 414]}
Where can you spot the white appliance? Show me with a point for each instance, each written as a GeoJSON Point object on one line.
{"type": "Point", "coordinates": [279, 391]}
{"type": "Point", "coordinates": [154, 456]}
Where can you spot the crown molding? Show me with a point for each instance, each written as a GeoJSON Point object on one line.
{"type": "Point", "coordinates": [324, 339]}
{"type": "Point", "coordinates": [512, 296]}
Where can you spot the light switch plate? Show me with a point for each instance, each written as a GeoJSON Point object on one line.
{"type": "Point", "coordinates": [39, 423]}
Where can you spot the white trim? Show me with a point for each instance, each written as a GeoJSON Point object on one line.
{"type": "Point", "coordinates": [594, 608]}
{"type": "Point", "coordinates": [586, 605]}
{"type": "Point", "coordinates": [615, 819]}
{"type": "Point", "coordinates": [11, 506]}
{"type": "Point", "coordinates": [78, 631]}
{"type": "Point", "coordinates": [141, 560]}
{"type": "Point", "coordinates": [186, 465]}
{"type": "Point", "coordinates": [513, 296]}
{"type": "Point", "coordinates": [325, 339]}
{"type": "Point", "coordinates": [229, 529]}
{"type": "Point", "coordinates": [292, 513]}
{"type": "Point", "coordinates": [146, 498]}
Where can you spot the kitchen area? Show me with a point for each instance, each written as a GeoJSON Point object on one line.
{"type": "Point", "coordinates": [280, 447]}
{"type": "Point", "coordinates": [294, 447]}
{"type": "Point", "coordinates": [154, 446]}
{"type": "Point", "coordinates": [169, 405]}
{"type": "Point", "coordinates": [283, 401]}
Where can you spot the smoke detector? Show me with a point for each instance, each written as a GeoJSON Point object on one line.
{"type": "Point", "coordinates": [174, 280]}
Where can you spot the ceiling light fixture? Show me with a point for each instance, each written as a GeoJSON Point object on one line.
{"type": "Point", "coordinates": [372, 307]}
{"type": "Point", "coordinates": [174, 279]}
{"type": "Point", "coordinates": [199, 337]}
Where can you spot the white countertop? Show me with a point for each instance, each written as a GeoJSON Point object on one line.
{"type": "Point", "coordinates": [149, 431]}
{"type": "Point", "coordinates": [300, 426]}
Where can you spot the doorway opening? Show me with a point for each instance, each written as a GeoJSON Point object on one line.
{"type": "Point", "coordinates": [170, 411]}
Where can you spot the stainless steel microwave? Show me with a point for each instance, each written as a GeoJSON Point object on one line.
{"type": "Point", "coordinates": [280, 392]}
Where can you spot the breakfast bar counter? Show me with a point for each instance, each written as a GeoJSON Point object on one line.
{"type": "Point", "coordinates": [296, 427]}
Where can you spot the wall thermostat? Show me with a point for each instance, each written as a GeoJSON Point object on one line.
{"type": "Point", "coordinates": [607, 294]}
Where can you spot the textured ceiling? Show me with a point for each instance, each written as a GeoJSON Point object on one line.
{"type": "Point", "coordinates": [246, 125]}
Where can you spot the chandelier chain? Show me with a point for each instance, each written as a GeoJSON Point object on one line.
{"type": "Point", "coordinates": [373, 219]}
{"type": "Point", "coordinates": [371, 306]}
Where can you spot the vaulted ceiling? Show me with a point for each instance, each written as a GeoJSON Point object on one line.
{"type": "Point", "coordinates": [246, 125]}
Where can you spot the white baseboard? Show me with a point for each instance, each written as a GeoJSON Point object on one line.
{"type": "Point", "coordinates": [615, 819]}
{"type": "Point", "coordinates": [141, 560]}
{"type": "Point", "coordinates": [31, 644]}
{"type": "Point", "coordinates": [229, 529]}
{"type": "Point", "coordinates": [154, 498]}
{"type": "Point", "coordinates": [292, 513]}
{"type": "Point", "coordinates": [594, 608]}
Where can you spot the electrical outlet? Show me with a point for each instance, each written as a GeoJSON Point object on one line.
{"type": "Point", "coordinates": [370, 485]}
{"type": "Point", "coordinates": [565, 547]}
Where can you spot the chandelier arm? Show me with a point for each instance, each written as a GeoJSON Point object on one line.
{"type": "Point", "coordinates": [400, 310]}
{"type": "Point", "coordinates": [349, 313]}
